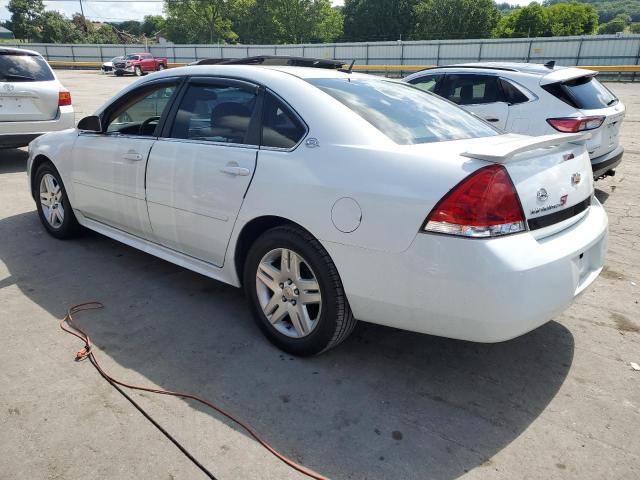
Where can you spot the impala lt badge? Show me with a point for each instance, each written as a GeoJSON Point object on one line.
{"type": "Point", "coordinates": [546, 208]}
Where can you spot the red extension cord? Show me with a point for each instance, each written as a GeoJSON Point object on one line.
{"type": "Point", "coordinates": [87, 352]}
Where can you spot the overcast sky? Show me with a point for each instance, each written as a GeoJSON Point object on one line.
{"type": "Point", "coordinates": [119, 10]}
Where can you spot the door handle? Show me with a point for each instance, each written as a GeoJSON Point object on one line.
{"type": "Point", "coordinates": [492, 119]}
{"type": "Point", "coordinates": [238, 171]}
{"type": "Point", "coordinates": [132, 155]}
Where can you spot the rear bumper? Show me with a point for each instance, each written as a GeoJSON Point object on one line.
{"type": "Point", "coordinates": [19, 134]}
{"type": "Point", "coordinates": [474, 289]}
{"type": "Point", "coordinates": [609, 161]}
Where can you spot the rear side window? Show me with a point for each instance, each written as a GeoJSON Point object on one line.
{"type": "Point", "coordinates": [471, 89]}
{"type": "Point", "coordinates": [583, 92]}
{"type": "Point", "coordinates": [18, 67]}
{"type": "Point", "coordinates": [215, 113]}
{"type": "Point", "coordinates": [402, 112]}
{"type": "Point", "coordinates": [280, 127]}
{"type": "Point", "coordinates": [427, 83]}
{"type": "Point", "coordinates": [511, 93]}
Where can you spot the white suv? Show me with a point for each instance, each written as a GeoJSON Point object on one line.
{"type": "Point", "coordinates": [535, 99]}
{"type": "Point", "coordinates": [32, 99]}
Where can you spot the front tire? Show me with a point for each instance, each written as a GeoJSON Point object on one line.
{"type": "Point", "coordinates": [137, 71]}
{"type": "Point", "coordinates": [296, 294]}
{"type": "Point", "coordinates": [53, 205]}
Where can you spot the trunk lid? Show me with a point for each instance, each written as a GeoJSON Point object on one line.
{"type": "Point", "coordinates": [552, 174]}
{"type": "Point", "coordinates": [28, 101]}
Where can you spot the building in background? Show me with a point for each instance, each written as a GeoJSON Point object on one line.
{"type": "Point", "coordinates": [6, 34]}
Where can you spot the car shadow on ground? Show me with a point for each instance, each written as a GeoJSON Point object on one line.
{"type": "Point", "coordinates": [13, 160]}
{"type": "Point", "coordinates": [385, 404]}
{"type": "Point", "coordinates": [601, 195]}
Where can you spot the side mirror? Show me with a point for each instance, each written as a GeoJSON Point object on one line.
{"type": "Point", "coordinates": [91, 123]}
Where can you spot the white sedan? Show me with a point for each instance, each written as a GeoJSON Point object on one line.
{"type": "Point", "coordinates": [331, 196]}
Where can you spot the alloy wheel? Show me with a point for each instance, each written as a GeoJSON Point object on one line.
{"type": "Point", "coordinates": [288, 292]}
{"type": "Point", "coordinates": [51, 200]}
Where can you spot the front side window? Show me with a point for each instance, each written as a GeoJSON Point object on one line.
{"type": "Point", "coordinates": [20, 67]}
{"type": "Point", "coordinates": [140, 113]}
{"type": "Point", "coordinates": [402, 112]}
{"type": "Point", "coordinates": [280, 127]}
{"type": "Point", "coordinates": [427, 83]}
{"type": "Point", "coordinates": [132, 57]}
{"type": "Point", "coordinates": [471, 89]}
{"type": "Point", "coordinates": [215, 113]}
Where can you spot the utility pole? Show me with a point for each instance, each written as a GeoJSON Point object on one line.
{"type": "Point", "coordinates": [84, 20]}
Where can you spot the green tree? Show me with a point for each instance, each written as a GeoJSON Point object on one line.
{"type": "Point", "coordinates": [200, 21]}
{"type": "Point", "coordinates": [618, 24]}
{"type": "Point", "coordinates": [153, 24]}
{"type": "Point", "coordinates": [530, 21]}
{"type": "Point", "coordinates": [132, 27]}
{"type": "Point", "coordinates": [572, 19]}
{"type": "Point", "coordinates": [371, 20]}
{"type": "Point", "coordinates": [443, 19]}
{"type": "Point", "coordinates": [54, 27]}
{"type": "Point", "coordinates": [292, 21]}
{"type": "Point", "coordinates": [24, 17]}
{"type": "Point", "coordinates": [634, 27]}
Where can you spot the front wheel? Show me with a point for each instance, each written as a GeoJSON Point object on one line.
{"type": "Point", "coordinates": [54, 209]}
{"type": "Point", "coordinates": [137, 71]}
{"type": "Point", "coordinates": [296, 294]}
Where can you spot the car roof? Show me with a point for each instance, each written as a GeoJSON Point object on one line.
{"type": "Point", "coordinates": [18, 50]}
{"type": "Point", "coordinates": [260, 71]}
{"type": "Point", "coordinates": [536, 69]}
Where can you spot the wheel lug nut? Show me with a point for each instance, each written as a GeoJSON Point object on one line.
{"type": "Point", "coordinates": [284, 299]}
{"type": "Point", "coordinates": [289, 282]}
{"type": "Point", "coordinates": [296, 291]}
{"type": "Point", "coordinates": [282, 285]}
{"type": "Point", "coordinates": [293, 302]}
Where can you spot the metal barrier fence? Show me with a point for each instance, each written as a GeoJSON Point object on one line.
{"type": "Point", "coordinates": [580, 50]}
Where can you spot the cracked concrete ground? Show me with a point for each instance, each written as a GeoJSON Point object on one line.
{"type": "Point", "coordinates": [561, 402]}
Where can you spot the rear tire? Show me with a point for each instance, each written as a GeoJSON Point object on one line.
{"type": "Point", "coordinates": [53, 205]}
{"type": "Point", "coordinates": [296, 295]}
{"type": "Point", "coordinates": [160, 67]}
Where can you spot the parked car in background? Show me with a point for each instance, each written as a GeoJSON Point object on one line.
{"type": "Point", "coordinates": [535, 99]}
{"type": "Point", "coordinates": [332, 196]}
{"type": "Point", "coordinates": [32, 99]}
{"type": "Point", "coordinates": [139, 64]}
{"type": "Point", "coordinates": [107, 67]}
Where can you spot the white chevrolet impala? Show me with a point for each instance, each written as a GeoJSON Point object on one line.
{"type": "Point", "coordinates": [332, 196]}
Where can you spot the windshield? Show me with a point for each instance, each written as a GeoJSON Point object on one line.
{"type": "Point", "coordinates": [132, 57]}
{"type": "Point", "coordinates": [404, 113]}
{"type": "Point", "coordinates": [21, 67]}
{"type": "Point", "coordinates": [589, 93]}
{"type": "Point", "coordinates": [116, 59]}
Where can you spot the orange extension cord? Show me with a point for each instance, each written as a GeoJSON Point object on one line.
{"type": "Point", "coordinates": [87, 352]}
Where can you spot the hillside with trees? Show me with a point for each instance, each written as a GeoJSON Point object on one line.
{"type": "Point", "coordinates": [317, 21]}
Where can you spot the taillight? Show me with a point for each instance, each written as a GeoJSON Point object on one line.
{"type": "Point", "coordinates": [573, 125]}
{"type": "Point", "coordinates": [485, 204]}
{"type": "Point", "coordinates": [64, 98]}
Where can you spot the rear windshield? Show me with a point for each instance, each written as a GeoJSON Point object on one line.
{"type": "Point", "coordinates": [18, 67]}
{"type": "Point", "coordinates": [407, 115]}
{"type": "Point", "coordinates": [583, 92]}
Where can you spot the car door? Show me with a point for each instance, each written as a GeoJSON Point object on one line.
{"type": "Point", "coordinates": [201, 166]}
{"type": "Point", "coordinates": [108, 171]}
{"type": "Point", "coordinates": [148, 63]}
{"type": "Point", "coordinates": [479, 94]}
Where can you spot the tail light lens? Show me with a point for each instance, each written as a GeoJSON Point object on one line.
{"type": "Point", "coordinates": [485, 204]}
{"type": "Point", "coordinates": [64, 98]}
{"type": "Point", "coordinates": [574, 125]}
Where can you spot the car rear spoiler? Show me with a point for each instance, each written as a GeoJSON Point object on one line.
{"type": "Point", "coordinates": [505, 151]}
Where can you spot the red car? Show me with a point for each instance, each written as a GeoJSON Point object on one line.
{"type": "Point", "coordinates": [139, 64]}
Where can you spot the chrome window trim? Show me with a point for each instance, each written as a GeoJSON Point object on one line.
{"type": "Point", "coordinates": [207, 142]}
